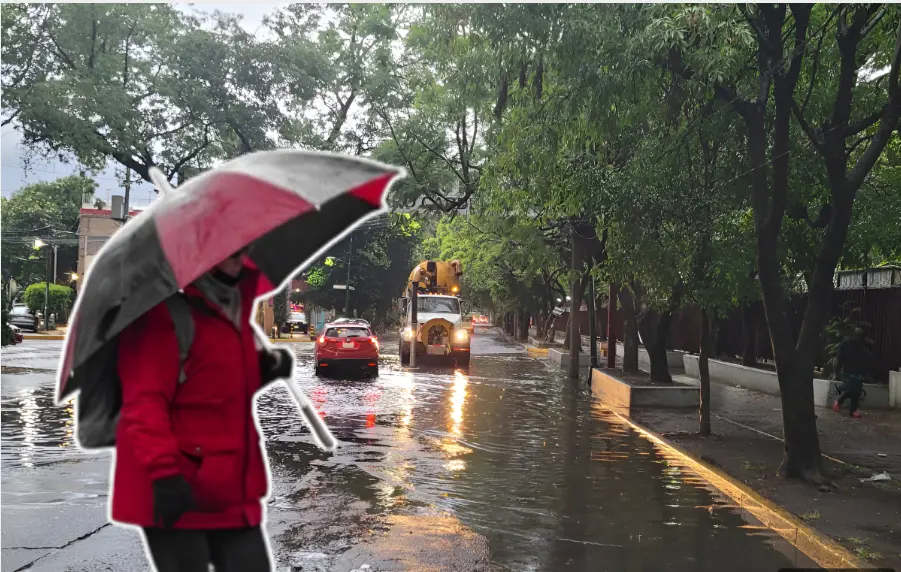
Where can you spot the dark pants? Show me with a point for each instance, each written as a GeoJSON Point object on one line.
{"type": "Point", "coordinates": [851, 389]}
{"type": "Point", "coordinates": [229, 550]}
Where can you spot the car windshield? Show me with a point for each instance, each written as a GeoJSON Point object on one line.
{"type": "Point", "coordinates": [439, 305]}
{"type": "Point", "coordinates": [347, 333]}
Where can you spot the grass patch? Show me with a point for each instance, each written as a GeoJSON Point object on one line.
{"type": "Point", "coordinates": [749, 466]}
{"type": "Point", "coordinates": [862, 549]}
{"type": "Point", "coordinates": [812, 515]}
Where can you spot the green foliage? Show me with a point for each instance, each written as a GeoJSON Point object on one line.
{"type": "Point", "coordinates": [382, 257]}
{"type": "Point", "coordinates": [41, 210]}
{"type": "Point", "coordinates": [280, 308]}
{"type": "Point", "coordinates": [140, 84]}
{"type": "Point", "coordinates": [5, 331]}
{"type": "Point", "coordinates": [61, 298]}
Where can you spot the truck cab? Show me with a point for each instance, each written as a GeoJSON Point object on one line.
{"type": "Point", "coordinates": [440, 329]}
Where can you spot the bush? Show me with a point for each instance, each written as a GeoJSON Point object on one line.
{"type": "Point", "coordinates": [7, 333]}
{"type": "Point", "coordinates": [60, 298]}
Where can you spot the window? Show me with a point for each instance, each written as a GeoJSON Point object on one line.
{"type": "Point", "coordinates": [20, 311]}
{"type": "Point", "coordinates": [439, 305]}
{"type": "Point", "coordinates": [347, 333]}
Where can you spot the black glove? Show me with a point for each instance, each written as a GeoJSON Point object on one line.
{"type": "Point", "coordinates": [275, 364]}
{"type": "Point", "coordinates": [172, 497]}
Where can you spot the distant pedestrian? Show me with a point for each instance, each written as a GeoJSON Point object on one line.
{"type": "Point", "coordinates": [190, 470]}
{"type": "Point", "coordinates": [850, 364]}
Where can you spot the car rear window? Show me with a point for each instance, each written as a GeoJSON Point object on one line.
{"type": "Point", "coordinates": [20, 310]}
{"type": "Point", "coordinates": [347, 333]}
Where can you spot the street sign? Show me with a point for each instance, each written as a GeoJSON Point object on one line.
{"type": "Point", "coordinates": [342, 287]}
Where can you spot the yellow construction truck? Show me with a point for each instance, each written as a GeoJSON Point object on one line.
{"type": "Point", "coordinates": [433, 323]}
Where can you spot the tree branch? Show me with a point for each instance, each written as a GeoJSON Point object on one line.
{"type": "Point", "coordinates": [865, 123]}
{"type": "Point", "coordinates": [816, 139]}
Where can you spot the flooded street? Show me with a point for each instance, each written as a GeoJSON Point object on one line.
{"type": "Point", "coordinates": [508, 466]}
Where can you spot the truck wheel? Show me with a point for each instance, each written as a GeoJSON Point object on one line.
{"type": "Point", "coordinates": [404, 354]}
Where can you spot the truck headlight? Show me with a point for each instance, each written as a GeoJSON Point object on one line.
{"type": "Point", "coordinates": [461, 334]}
{"type": "Point", "coordinates": [408, 334]}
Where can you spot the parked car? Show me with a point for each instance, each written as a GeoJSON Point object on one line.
{"type": "Point", "coordinates": [24, 318]}
{"type": "Point", "coordinates": [349, 346]}
{"type": "Point", "coordinates": [18, 337]}
{"type": "Point", "coordinates": [297, 322]}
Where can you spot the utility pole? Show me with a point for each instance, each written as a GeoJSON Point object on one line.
{"type": "Point", "coordinates": [611, 329]}
{"type": "Point", "coordinates": [592, 329]}
{"type": "Point", "coordinates": [414, 319]}
{"type": "Point", "coordinates": [350, 253]}
{"type": "Point", "coordinates": [47, 292]}
{"type": "Point", "coordinates": [575, 340]}
{"type": "Point", "coordinates": [55, 260]}
{"type": "Point", "coordinates": [127, 192]}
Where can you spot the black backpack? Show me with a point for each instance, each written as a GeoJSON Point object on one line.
{"type": "Point", "coordinates": [100, 396]}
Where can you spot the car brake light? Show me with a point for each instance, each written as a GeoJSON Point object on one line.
{"type": "Point", "coordinates": [322, 340]}
{"type": "Point", "coordinates": [375, 341]}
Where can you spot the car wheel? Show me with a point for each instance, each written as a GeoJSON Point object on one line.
{"type": "Point", "coordinates": [318, 371]}
{"type": "Point", "coordinates": [374, 371]}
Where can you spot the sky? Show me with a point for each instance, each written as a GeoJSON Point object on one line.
{"type": "Point", "coordinates": [15, 176]}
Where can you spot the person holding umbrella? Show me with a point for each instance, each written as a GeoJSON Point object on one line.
{"type": "Point", "coordinates": [166, 362]}
{"type": "Point", "coordinates": [189, 466]}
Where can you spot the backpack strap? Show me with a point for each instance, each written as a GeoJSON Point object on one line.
{"type": "Point", "coordinates": [180, 310]}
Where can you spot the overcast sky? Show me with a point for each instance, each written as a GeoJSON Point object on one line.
{"type": "Point", "coordinates": [15, 175]}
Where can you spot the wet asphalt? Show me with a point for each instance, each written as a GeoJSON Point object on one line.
{"type": "Point", "coordinates": [506, 466]}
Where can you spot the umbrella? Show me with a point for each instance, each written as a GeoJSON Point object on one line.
{"type": "Point", "coordinates": [288, 206]}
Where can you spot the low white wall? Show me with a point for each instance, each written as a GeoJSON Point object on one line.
{"type": "Point", "coordinates": [764, 381]}
{"type": "Point", "coordinates": [560, 358]}
{"type": "Point", "coordinates": [617, 393]}
{"type": "Point", "coordinates": [894, 389]}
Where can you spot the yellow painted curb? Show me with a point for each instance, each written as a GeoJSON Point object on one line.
{"type": "Point", "coordinates": [818, 547]}
{"type": "Point", "coordinates": [290, 341]}
{"type": "Point", "coordinates": [43, 337]}
{"type": "Point", "coordinates": [536, 351]}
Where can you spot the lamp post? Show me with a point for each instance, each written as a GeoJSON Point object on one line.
{"type": "Point", "coordinates": [38, 244]}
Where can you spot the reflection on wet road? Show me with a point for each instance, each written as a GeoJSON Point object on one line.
{"type": "Point", "coordinates": [510, 449]}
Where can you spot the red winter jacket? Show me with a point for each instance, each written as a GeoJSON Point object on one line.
{"type": "Point", "coordinates": [202, 429]}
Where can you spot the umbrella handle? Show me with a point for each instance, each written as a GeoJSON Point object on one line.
{"type": "Point", "coordinates": [159, 181]}
{"type": "Point", "coordinates": [320, 431]}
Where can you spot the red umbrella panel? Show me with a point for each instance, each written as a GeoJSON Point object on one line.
{"type": "Point", "coordinates": [287, 206]}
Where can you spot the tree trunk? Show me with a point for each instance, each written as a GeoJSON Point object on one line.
{"type": "Point", "coordinates": [708, 335]}
{"type": "Point", "coordinates": [523, 333]}
{"type": "Point", "coordinates": [630, 331]}
{"type": "Point", "coordinates": [654, 329]}
{"type": "Point", "coordinates": [748, 334]}
{"type": "Point", "coordinates": [549, 329]}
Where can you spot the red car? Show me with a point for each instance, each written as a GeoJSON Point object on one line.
{"type": "Point", "coordinates": [347, 345]}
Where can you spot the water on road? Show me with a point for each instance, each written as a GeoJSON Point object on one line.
{"type": "Point", "coordinates": [510, 453]}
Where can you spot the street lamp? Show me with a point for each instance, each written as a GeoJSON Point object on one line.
{"type": "Point", "coordinates": [74, 277]}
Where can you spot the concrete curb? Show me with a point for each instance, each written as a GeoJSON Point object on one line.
{"type": "Point", "coordinates": [43, 337]}
{"type": "Point", "coordinates": [818, 547]}
{"type": "Point", "coordinates": [290, 341]}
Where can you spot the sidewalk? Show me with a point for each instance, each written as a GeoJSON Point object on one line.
{"type": "Point", "coordinates": [747, 426]}
{"type": "Point", "coordinates": [57, 334]}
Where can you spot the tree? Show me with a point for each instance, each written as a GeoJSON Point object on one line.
{"type": "Point", "coordinates": [383, 256]}
{"type": "Point", "coordinates": [46, 209]}
{"type": "Point", "coordinates": [140, 84]}
{"type": "Point", "coordinates": [61, 298]}
{"type": "Point", "coordinates": [781, 41]}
